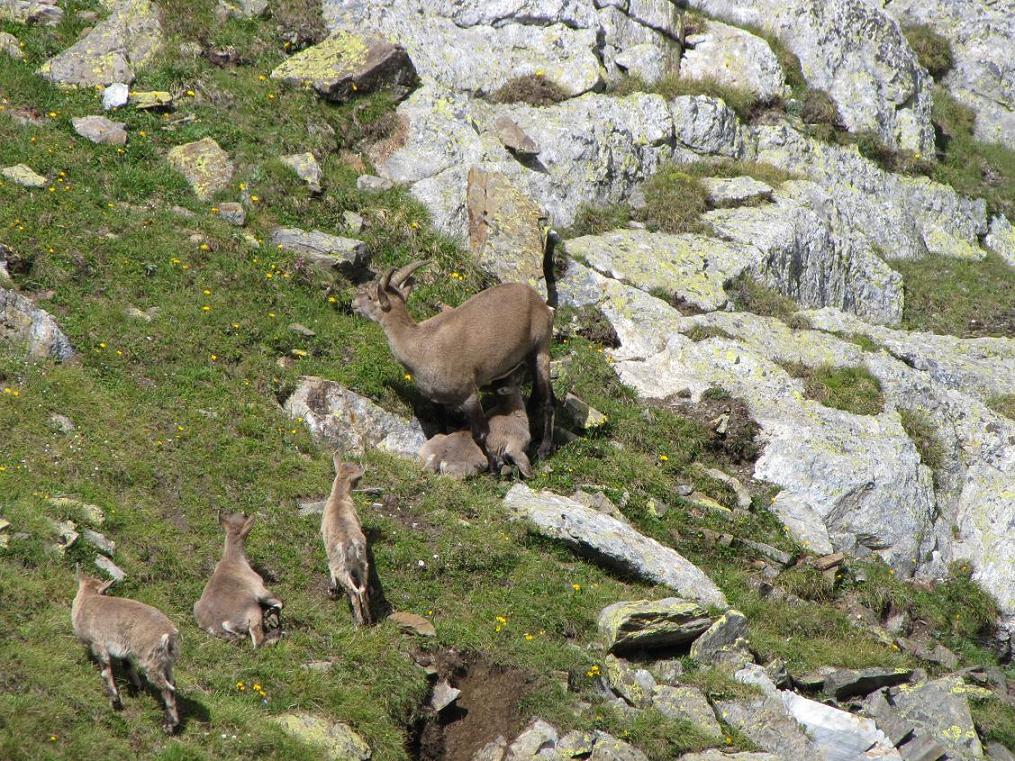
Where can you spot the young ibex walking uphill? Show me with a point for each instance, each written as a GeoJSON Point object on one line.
{"type": "Point", "coordinates": [235, 601]}
{"type": "Point", "coordinates": [344, 542]}
{"type": "Point", "coordinates": [138, 634]}
{"type": "Point", "coordinates": [455, 353]}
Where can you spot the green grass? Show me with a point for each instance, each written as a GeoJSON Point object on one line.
{"type": "Point", "coordinates": [852, 389]}
{"type": "Point", "coordinates": [1003, 404]}
{"type": "Point", "coordinates": [749, 295]}
{"type": "Point", "coordinates": [932, 50]}
{"type": "Point", "coordinates": [958, 297]}
{"type": "Point", "coordinates": [674, 201]}
{"type": "Point", "coordinates": [744, 102]}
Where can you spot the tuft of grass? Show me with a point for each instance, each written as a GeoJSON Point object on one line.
{"type": "Point", "coordinates": [704, 332]}
{"type": "Point", "coordinates": [807, 583]}
{"type": "Point", "coordinates": [1003, 405]}
{"type": "Point", "coordinates": [532, 89]}
{"type": "Point", "coordinates": [865, 342]}
{"type": "Point", "coordinates": [819, 108]}
{"type": "Point", "coordinates": [596, 220]}
{"type": "Point", "coordinates": [744, 102]}
{"type": "Point", "coordinates": [932, 50]}
{"type": "Point", "coordinates": [994, 720]}
{"type": "Point", "coordinates": [958, 297]}
{"type": "Point", "coordinates": [674, 201]}
{"type": "Point", "coordinates": [749, 295]}
{"type": "Point", "coordinates": [726, 167]}
{"type": "Point", "coordinates": [852, 389]}
{"type": "Point", "coordinates": [922, 432]}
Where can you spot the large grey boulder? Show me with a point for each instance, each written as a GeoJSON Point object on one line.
{"type": "Point", "coordinates": [347, 64]}
{"type": "Point", "coordinates": [114, 51]}
{"type": "Point", "coordinates": [766, 722]}
{"type": "Point", "coordinates": [322, 251]}
{"type": "Point", "coordinates": [648, 624]}
{"type": "Point", "coordinates": [706, 126]}
{"type": "Point", "coordinates": [26, 326]}
{"type": "Point", "coordinates": [856, 53]}
{"type": "Point", "coordinates": [939, 709]}
{"type": "Point", "coordinates": [612, 542]}
{"type": "Point", "coordinates": [733, 57]}
{"type": "Point", "coordinates": [46, 12]}
{"type": "Point", "coordinates": [981, 35]}
{"type": "Point", "coordinates": [344, 421]}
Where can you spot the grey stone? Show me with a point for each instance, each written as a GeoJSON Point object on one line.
{"type": "Point", "coordinates": [611, 542]}
{"type": "Point", "coordinates": [939, 710]}
{"type": "Point", "coordinates": [706, 125]}
{"type": "Point", "coordinates": [115, 50]}
{"type": "Point", "coordinates": [582, 414]}
{"type": "Point", "coordinates": [242, 10]}
{"type": "Point", "coordinates": [766, 722]}
{"type": "Point", "coordinates": [443, 695]}
{"type": "Point", "coordinates": [325, 253]}
{"type": "Point", "coordinates": [353, 222]}
{"type": "Point", "coordinates": [768, 551]}
{"type": "Point", "coordinates": [754, 675]}
{"type": "Point", "coordinates": [649, 624]}
{"type": "Point", "coordinates": [347, 64]}
{"type": "Point", "coordinates": [61, 423]}
{"type": "Point", "coordinates": [108, 566]}
{"type": "Point", "coordinates": [849, 683]}
{"type": "Point", "coordinates": [897, 729]}
{"type": "Point", "coordinates": [336, 740]}
{"type": "Point", "coordinates": [536, 737]}
{"type": "Point", "coordinates": [492, 751]}
{"type": "Point", "coordinates": [311, 506]}
{"type": "Point", "coordinates": [115, 95]}
{"type": "Point", "coordinates": [687, 704]}
{"type": "Point", "coordinates": [369, 183]}
{"type": "Point", "coordinates": [722, 634]}
{"type": "Point", "coordinates": [838, 735]}
{"type": "Point", "coordinates": [46, 12]}
{"type": "Point", "coordinates": [98, 541]}
{"type": "Point", "coordinates": [504, 228]}
{"type": "Point", "coordinates": [997, 752]}
{"type": "Point", "coordinates": [735, 191]}
{"type": "Point", "coordinates": [733, 57]}
{"type": "Point", "coordinates": [26, 326]}
{"type": "Point", "coordinates": [10, 46]}
{"type": "Point", "coordinates": [609, 748]}
{"type": "Point", "coordinates": [100, 130]}
{"type": "Point", "coordinates": [635, 685]}
{"type": "Point", "coordinates": [204, 164]}
{"type": "Point", "coordinates": [92, 513]}
{"type": "Point", "coordinates": [24, 175]}
{"type": "Point", "coordinates": [342, 420]}
{"type": "Point", "coordinates": [743, 495]}
{"type": "Point", "coordinates": [233, 213]}
{"type": "Point", "coordinates": [307, 169]}
{"type": "Point", "coordinates": [718, 755]}
{"type": "Point", "coordinates": [410, 622]}
{"type": "Point", "coordinates": [514, 137]}
{"type": "Point", "coordinates": [1001, 238]}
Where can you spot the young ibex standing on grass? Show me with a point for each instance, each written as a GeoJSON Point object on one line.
{"type": "Point", "coordinates": [235, 601]}
{"type": "Point", "coordinates": [344, 542]}
{"type": "Point", "coordinates": [138, 634]}
{"type": "Point", "coordinates": [455, 353]}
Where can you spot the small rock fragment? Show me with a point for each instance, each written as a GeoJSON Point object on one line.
{"type": "Point", "coordinates": [307, 169]}
{"type": "Point", "coordinates": [24, 175]}
{"type": "Point", "coordinates": [847, 683]}
{"type": "Point", "coordinates": [93, 513]}
{"type": "Point", "coordinates": [324, 252]}
{"type": "Point", "coordinates": [492, 751]}
{"type": "Point", "coordinates": [353, 222]}
{"type": "Point", "coordinates": [146, 315]}
{"type": "Point", "coordinates": [443, 695]}
{"type": "Point", "coordinates": [301, 330]}
{"type": "Point", "coordinates": [66, 534]}
{"type": "Point", "coordinates": [722, 634]}
{"type": "Point", "coordinates": [10, 46]}
{"type": "Point", "coordinates": [768, 551]}
{"type": "Point", "coordinates": [311, 506]}
{"type": "Point", "coordinates": [514, 137]}
{"type": "Point", "coordinates": [536, 737]}
{"type": "Point", "coordinates": [205, 165]}
{"type": "Point", "coordinates": [100, 130]}
{"type": "Point", "coordinates": [233, 213]}
{"type": "Point", "coordinates": [584, 416]}
{"type": "Point", "coordinates": [412, 623]}
{"type": "Point", "coordinates": [369, 183]}
{"type": "Point", "coordinates": [105, 564]}
{"type": "Point", "coordinates": [98, 541]}
{"type": "Point", "coordinates": [338, 741]}
{"type": "Point", "coordinates": [61, 423]}
{"type": "Point", "coordinates": [151, 100]}
{"type": "Point", "coordinates": [115, 96]}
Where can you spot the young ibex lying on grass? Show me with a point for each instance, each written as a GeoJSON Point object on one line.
{"type": "Point", "coordinates": [455, 353]}
{"type": "Point", "coordinates": [235, 601]}
{"type": "Point", "coordinates": [344, 542]}
{"type": "Point", "coordinates": [138, 634]}
{"type": "Point", "coordinates": [457, 455]}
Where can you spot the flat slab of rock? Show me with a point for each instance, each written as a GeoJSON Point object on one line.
{"type": "Point", "coordinates": [114, 51]}
{"type": "Point", "coordinates": [151, 100]}
{"type": "Point", "coordinates": [687, 704]}
{"type": "Point", "coordinates": [346, 64]}
{"type": "Point", "coordinates": [839, 735]}
{"type": "Point", "coordinates": [108, 566]}
{"type": "Point", "coordinates": [939, 710]}
{"type": "Point", "coordinates": [324, 252]}
{"type": "Point", "coordinates": [31, 11]}
{"type": "Point", "coordinates": [342, 420]}
{"type": "Point", "coordinates": [307, 169]}
{"type": "Point", "coordinates": [205, 165]}
{"type": "Point", "coordinates": [410, 622]}
{"type": "Point", "coordinates": [504, 228]}
{"type": "Point", "coordinates": [337, 740]}
{"type": "Point", "coordinates": [647, 624]}
{"type": "Point", "coordinates": [513, 137]}
{"type": "Point", "coordinates": [24, 324]}
{"type": "Point", "coordinates": [24, 175]}
{"type": "Point", "coordinates": [100, 130]}
{"type": "Point", "coordinates": [735, 191]}
{"type": "Point", "coordinates": [849, 683]}
{"type": "Point", "coordinates": [767, 723]}
{"type": "Point", "coordinates": [725, 632]}
{"type": "Point", "coordinates": [612, 542]}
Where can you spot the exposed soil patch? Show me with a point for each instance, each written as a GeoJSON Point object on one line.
{"type": "Point", "coordinates": [487, 707]}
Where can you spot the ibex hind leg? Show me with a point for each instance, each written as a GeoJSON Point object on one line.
{"type": "Point", "coordinates": [542, 389]}
{"type": "Point", "coordinates": [106, 670]}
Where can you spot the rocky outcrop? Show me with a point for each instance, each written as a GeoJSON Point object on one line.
{"type": "Point", "coordinates": [25, 325]}
{"type": "Point", "coordinates": [733, 57]}
{"type": "Point", "coordinates": [855, 52]}
{"type": "Point", "coordinates": [114, 51]}
{"type": "Point", "coordinates": [612, 542]}
{"type": "Point", "coordinates": [344, 421]}
{"type": "Point", "coordinates": [346, 64]}
{"type": "Point", "coordinates": [204, 164]}
{"type": "Point", "coordinates": [981, 35]}
{"type": "Point", "coordinates": [648, 624]}
{"type": "Point", "coordinates": [939, 710]}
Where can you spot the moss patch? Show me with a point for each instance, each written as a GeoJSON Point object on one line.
{"type": "Point", "coordinates": [532, 89]}
{"type": "Point", "coordinates": [852, 389]}
{"type": "Point", "coordinates": [932, 50]}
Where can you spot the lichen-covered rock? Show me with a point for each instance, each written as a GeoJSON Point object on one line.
{"type": "Point", "coordinates": [504, 228]}
{"type": "Point", "coordinates": [768, 725]}
{"type": "Point", "coordinates": [905, 217]}
{"type": "Point", "coordinates": [733, 57]}
{"type": "Point", "coordinates": [307, 169]}
{"type": "Point", "coordinates": [336, 740]}
{"type": "Point", "coordinates": [707, 126]}
{"type": "Point", "coordinates": [114, 51]}
{"type": "Point", "coordinates": [536, 738]}
{"type": "Point", "coordinates": [635, 685]}
{"type": "Point", "coordinates": [324, 252]}
{"type": "Point", "coordinates": [723, 633]}
{"type": "Point", "coordinates": [1001, 238]}
{"type": "Point", "coordinates": [347, 64]}
{"type": "Point", "coordinates": [344, 421]}
{"type": "Point", "coordinates": [25, 325]}
{"type": "Point", "coordinates": [724, 192]}
{"type": "Point", "coordinates": [46, 12]}
{"type": "Point", "coordinates": [981, 35]}
{"type": "Point", "coordinates": [852, 50]}
{"type": "Point", "coordinates": [687, 704]}
{"type": "Point", "coordinates": [612, 542]}
{"type": "Point", "coordinates": [151, 100]}
{"type": "Point", "coordinates": [100, 130]}
{"type": "Point", "coordinates": [940, 709]}
{"type": "Point", "coordinates": [243, 9]}
{"type": "Point", "coordinates": [206, 166]}
{"type": "Point", "coordinates": [24, 175]}
{"type": "Point", "coordinates": [11, 47]}
{"type": "Point", "coordinates": [648, 624]}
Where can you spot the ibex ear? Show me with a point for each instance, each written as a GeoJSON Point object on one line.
{"type": "Point", "coordinates": [249, 524]}
{"type": "Point", "coordinates": [382, 298]}
{"type": "Point", "coordinates": [105, 585]}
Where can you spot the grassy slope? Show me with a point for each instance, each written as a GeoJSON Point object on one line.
{"type": "Point", "coordinates": [166, 435]}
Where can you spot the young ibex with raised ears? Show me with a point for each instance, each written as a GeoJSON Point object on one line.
{"type": "Point", "coordinates": [345, 543]}
{"type": "Point", "coordinates": [235, 603]}
{"type": "Point", "coordinates": [458, 351]}
{"type": "Point", "coordinates": [138, 634]}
